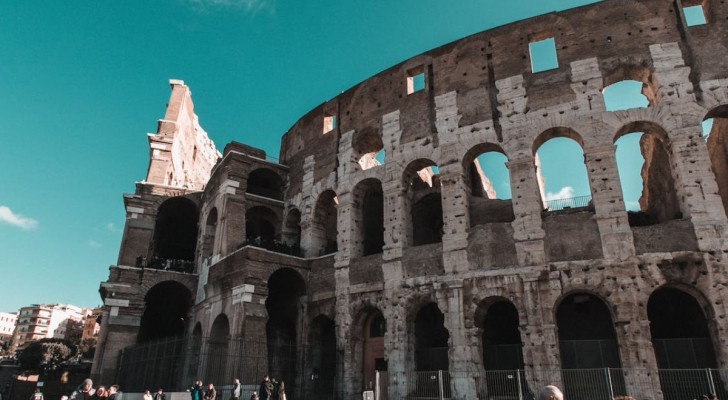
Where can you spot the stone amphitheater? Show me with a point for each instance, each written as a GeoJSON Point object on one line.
{"type": "Point", "coordinates": [338, 273]}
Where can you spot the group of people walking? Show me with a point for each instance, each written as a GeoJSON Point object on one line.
{"type": "Point", "coordinates": [269, 390]}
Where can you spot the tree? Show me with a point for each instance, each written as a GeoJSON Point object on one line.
{"type": "Point", "coordinates": [46, 354]}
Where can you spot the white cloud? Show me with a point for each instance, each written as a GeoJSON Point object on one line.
{"type": "Point", "coordinates": [566, 192]}
{"type": "Point", "coordinates": [94, 243]}
{"type": "Point", "coordinates": [110, 227]}
{"type": "Point", "coordinates": [251, 7]}
{"type": "Point", "coordinates": [9, 217]}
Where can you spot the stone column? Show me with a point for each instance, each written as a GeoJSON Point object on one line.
{"type": "Point", "coordinates": [539, 331]}
{"type": "Point", "coordinates": [397, 342]}
{"type": "Point", "coordinates": [395, 232]}
{"type": "Point", "coordinates": [527, 230]}
{"type": "Point", "coordinates": [610, 214]}
{"type": "Point", "coordinates": [461, 355]}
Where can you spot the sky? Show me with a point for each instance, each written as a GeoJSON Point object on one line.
{"type": "Point", "coordinates": [83, 82]}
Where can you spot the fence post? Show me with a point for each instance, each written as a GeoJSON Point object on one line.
{"type": "Point", "coordinates": [518, 380]}
{"type": "Point", "coordinates": [608, 375]}
{"type": "Point", "coordinates": [376, 385]}
{"type": "Point", "coordinates": [439, 385]}
{"type": "Point", "coordinates": [711, 385]}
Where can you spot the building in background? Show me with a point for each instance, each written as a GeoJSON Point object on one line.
{"type": "Point", "coordinates": [7, 327]}
{"type": "Point", "coordinates": [41, 321]}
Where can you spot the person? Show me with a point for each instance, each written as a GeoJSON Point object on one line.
{"type": "Point", "coordinates": [236, 390]}
{"type": "Point", "coordinates": [38, 395]}
{"type": "Point", "coordinates": [101, 393]}
{"type": "Point", "coordinates": [211, 393]}
{"type": "Point", "coordinates": [114, 392]}
{"type": "Point", "coordinates": [84, 391]}
{"type": "Point", "coordinates": [147, 395]}
{"type": "Point", "coordinates": [266, 389]}
{"type": "Point", "coordinates": [196, 390]}
{"type": "Point", "coordinates": [254, 396]}
{"type": "Point", "coordinates": [282, 391]}
{"type": "Point", "coordinates": [551, 392]}
{"type": "Point", "coordinates": [159, 395]}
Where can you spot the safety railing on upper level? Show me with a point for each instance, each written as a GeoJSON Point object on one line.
{"type": "Point", "coordinates": [570, 203]}
{"type": "Point", "coordinates": [166, 264]}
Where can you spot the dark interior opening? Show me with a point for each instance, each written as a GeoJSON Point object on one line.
{"type": "Point", "coordinates": [175, 232]}
{"type": "Point", "coordinates": [431, 340]}
{"type": "Point", "coordinates": [166, 306]}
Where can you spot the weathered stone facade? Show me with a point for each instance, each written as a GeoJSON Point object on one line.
{"type": "Point", "coordinates": [378, 242]}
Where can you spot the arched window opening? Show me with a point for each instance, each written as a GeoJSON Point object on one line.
{"type": "Point", "coordinates": [166, 306]}
{"type": "Point", "coordinates": [368, 148]}
{"type": "Point", "coordinates": [431, 339]}
{"type": "Point", "coordinates": [624, 95]}
{"type": "Point", "coordinates": [285, 288]}
{"type": "Point", "coordinates": [323, 355]}
{"type": "Point", "coordinates": [715, 131]}
{"type": "Point", "coordinates": [681, 340]}
{"type": "Point", "coordinates": [374, 359]}
{"type": "Point", "coordinates": [643, 163]}
{"type": "Point", "coordinates": [587, 340]}
{"type": "Point", "coordinates": [266, 183]}
{"type": "Point", "coordinates": [502, 348]}
{"type": "Point", "coordinates": [324, 228]}
{"type": "Point", "coordinates": [558, 150]}
{"type": "Point", "coordinates": [208, 240]}
{"type": "Point", "coordinates": [175, 232]}
{"type": "Point", "coordinates": [369, 203]}
{"type": "Point", "coordinates": [217, 369]}
{"type": "Point", "coordinates": [260, 227]}
{"type": "Point", "coordinates": [292, 231]}
{"type": "Point", "coordinates": [489, 184]}
{"type": "Point", "coordinates": [422, 182]}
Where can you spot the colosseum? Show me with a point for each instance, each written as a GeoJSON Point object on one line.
{"type": "Point", "coordinates": [339, 274]}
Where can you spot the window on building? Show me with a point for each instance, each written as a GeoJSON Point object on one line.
{"type": "Point", "coordinates": [416, 79]}
{"type": "Point", "coordinates": [694, 15]}
{"type": "Point", "coordinates": [543, 55]}
{"type": "Point", "coordinates": [329, 123]}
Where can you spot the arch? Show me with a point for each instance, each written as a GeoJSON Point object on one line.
{"type": "Point", "coordinates": [208, 239]}
{"type": "Point", "coordinates": [266, 183]}
{"type": "Point", "coordinates": [166, 308]}
{"type": "Point", "coordinates": [369, 216]}
{"type": "Point", "coordinates": [631, 72]}
{"type": "Point", "coordinates": [292, 230]}
{"type": "Point", "coordinates": [367, 144]}
{"type": "Point", "coordinates": [487, 181]}
{"type": "Point", "coordinates": [624, 95]}
{"type": "Point", "coordinates": [658, 201]}
{"type": "Point", "coordinates": [260, 226]}
{"type": "Point", "coordinates": [556, 150]}
{"type": "Point", "coordinates": [367, 349]}
{"type": "Point", "coordinates": [430, 341]}
{"type": "Point", "coordinates": [498, 323]}
{"type": "Point", "coordinates": [421, 179]}
{"type": "Point", "coordinates": [217, 351]}
{"type": "Point", "coordinates": [285, 288]}
{"type": "Point", "coordinates": [716, 136]}
{"type": "Point", "coordinates": [324, 229]}
{"type": "Point", "coordinates": [322, 357]}
{"type": "Point", "coordinates": [175, 230]}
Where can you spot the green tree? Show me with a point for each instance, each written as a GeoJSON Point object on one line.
{"type": "Point", "coordinates": [46, 354]}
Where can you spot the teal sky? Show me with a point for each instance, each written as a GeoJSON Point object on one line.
{"type": "Point", "coordinates": [82, 82]}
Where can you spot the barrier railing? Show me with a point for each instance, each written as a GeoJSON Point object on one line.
{"type": "Point", "coordinates": [573, 202]}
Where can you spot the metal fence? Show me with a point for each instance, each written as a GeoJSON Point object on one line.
{"type": "Point", "coordinates": [573, 202]}
{"type": "Point", "coordinates": [581, 384]}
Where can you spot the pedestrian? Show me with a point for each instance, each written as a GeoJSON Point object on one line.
{"type": "Point", "coordinates": [254, 396]}
{"type": "Point", "coordinates": [266, 389]}
{"type": "Point", "coordinates": [551, 392]}
{"type": "Point", "coordinates": [101, 393]}
{"type": "Point", "coordinates": [282, 391]}
{"type": "Point", "coordinates": [84, 391]}
{"type": "Point", "coordinates": [196, 390]}
{"type": "Point", "coordinates": [38, 395]}
{"type": "Point", "coordinates": [147, 395]}
{"type": "Point", "coordinates": [159, 395]}
{"type": "Point", "coordinates": [236, 390]}
{"type": "Point", "coordinates": [211, 393]}
{"type": "Point", "coordinates": [115, 393]}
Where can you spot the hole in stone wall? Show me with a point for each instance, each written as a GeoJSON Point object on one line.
{"type": "Point", "coordinates": [561, 152]}
{"type": "Point", "coordinates": [488, 181]}
{"type": "Point", "coordinates": [416, 80]}
{"type": "Point", "coordinates": [624, 95]}
{"type": "Point", "coordinates": [329, 123]}
{"type": "Point", "coordinates": [543, 55]}
{"type": "Point", "coordinates": [368, 148]}
{"type": "Point", "coordinates": [694, 15]}
{"type": "Point", "coordinates": [645, 145]}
